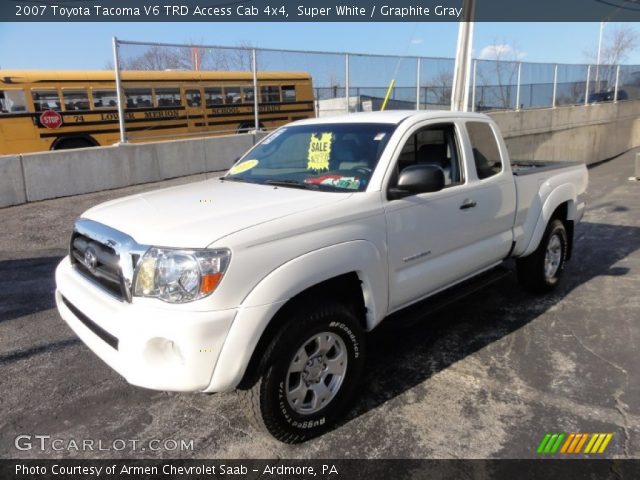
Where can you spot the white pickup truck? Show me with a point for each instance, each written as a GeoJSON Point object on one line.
{"type": "Point", "coordinates": [267, 279]}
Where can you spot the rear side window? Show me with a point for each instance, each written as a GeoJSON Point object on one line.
{"type": "Point", "coordinates": [45, 100]}
{"type": "Point", "coordinates": [486, 153]}
{"type": "Point", "coordinates": [138, 97]}
{"type": "Point", "coordinates": [270, 94]}
{"type": "Point", "coordinates": [168, 97]}
{"type": "Point", "coordinates": [75, 99]}
{"type": "Point", "coordinates": [288, 93]}
{"type": "Point", "coordinates": [105, 99]}
{"type": "Point", "coordinates": [193, 98]}
{"type": "Point", "coordinates": [12, 101]}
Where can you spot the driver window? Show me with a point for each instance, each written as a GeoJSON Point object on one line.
{"type": "Point", "coordinates": [433, 145]}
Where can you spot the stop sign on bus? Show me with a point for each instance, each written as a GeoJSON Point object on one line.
{"type": "Point", "coordinates": [51, 119]}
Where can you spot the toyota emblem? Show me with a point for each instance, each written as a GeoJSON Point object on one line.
{"type": "Point", "coordinates": [90, 259]}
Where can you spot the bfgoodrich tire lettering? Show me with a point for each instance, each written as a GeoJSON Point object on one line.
{"type": "Point", "coordinates": [268, 400]}
{"type": "Point", "coordinates": [541, 271]}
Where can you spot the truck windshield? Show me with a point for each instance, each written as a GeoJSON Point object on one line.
{"type": "Point", "coordinates": [334, 157]}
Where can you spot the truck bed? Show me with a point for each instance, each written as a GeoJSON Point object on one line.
{"type": "Point", "coordinates": [526, 167]}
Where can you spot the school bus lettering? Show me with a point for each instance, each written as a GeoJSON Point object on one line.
{"type": "Point", "coordinates": [225, 110]}
{"type": "Point", "coordinates": [161, 114]}
{"type": "Point", "coordinates": [269, 108]}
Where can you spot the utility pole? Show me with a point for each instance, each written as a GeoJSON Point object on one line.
{"type": "Point", "coordinates": [460, 89]}
{"type": "Point", "coordinates": [599, 56]}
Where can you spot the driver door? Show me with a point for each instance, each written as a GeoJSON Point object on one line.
{"type": "Point", "coordinates": [434, 238]}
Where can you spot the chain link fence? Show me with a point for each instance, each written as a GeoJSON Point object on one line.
{"type": "Point", "coordinates": [247, 90]}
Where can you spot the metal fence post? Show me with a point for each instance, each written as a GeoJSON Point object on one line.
{"type": "Point", "coordinates": [418, 66]}
{"type": "Point", "coordinates": [615, 94]}
{"type": "Point", "coordinates": [518, 86]}
{"type": "Point", "coordinates": [586, 88]}
{"type": "Point", "coordinates": [119, 91]}
{"type": "Point", "coordinates": [473, 87]}
{"type": "Point", "coordinates": [555, 86]}
{"type": "Point", "coordinates": [254, 68]}
{"type": "Point", "coordinates": [346, 80]}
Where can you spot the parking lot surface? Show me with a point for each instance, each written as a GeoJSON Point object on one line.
{"type": "Point", "coordinates": [484, 378]}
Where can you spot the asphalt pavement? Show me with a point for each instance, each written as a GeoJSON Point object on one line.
{"type": "Point", "coordinates": [487, 377]}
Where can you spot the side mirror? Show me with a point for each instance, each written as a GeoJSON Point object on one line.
{"type": "Point", "coordinates": [417, 179]}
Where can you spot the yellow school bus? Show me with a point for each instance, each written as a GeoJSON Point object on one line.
{"type": "Point", "coordinates": [51, 110]}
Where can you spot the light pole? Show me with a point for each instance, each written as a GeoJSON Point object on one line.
{"type": "Point", "coordinates": [598, 55]}
{"type": "Point", "coordinates": [460, 88]}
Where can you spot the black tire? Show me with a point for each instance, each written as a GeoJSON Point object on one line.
{"type": "Point", "coordinates": [246, 127]}
{"type": "Point", "coordinates": [266, 399]}
{"type": "Point", "coordinates": [70, 143]}
{"type": "Point", "coordinates": [531, 269]}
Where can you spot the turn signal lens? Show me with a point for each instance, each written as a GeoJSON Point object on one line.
{"type": "Point", "coordinates": [209, 283]}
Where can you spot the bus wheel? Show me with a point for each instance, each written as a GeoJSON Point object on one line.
{"type": "Point", "coordinates": [246, 127]}
{"type": "Point", "coordinates": [69, 143]}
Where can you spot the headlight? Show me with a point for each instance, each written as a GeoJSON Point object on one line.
{"type": "Point", "coordinates": [179, 276]}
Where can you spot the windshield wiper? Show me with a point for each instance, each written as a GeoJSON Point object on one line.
{"type": "Point", "coordinates": [292, 184]}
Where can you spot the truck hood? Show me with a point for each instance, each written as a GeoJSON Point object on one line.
{"type": "Point", "coordinates": [197, 214]}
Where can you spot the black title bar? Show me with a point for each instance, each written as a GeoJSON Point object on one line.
{"type": "Point", "coordinates": [317, 11]}
{"type": "Point", "coordinates": [70, 469]}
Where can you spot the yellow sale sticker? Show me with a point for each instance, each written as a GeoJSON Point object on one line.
{"type": "Point", "coordinates": [243, 166]}
{"type": "Point", "coordinates": [319, 151]}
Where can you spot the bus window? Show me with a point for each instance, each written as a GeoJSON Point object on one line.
{"type": "Point", "coordinates": [247, 95]}
{"type": "Point", "coordinates": [75, 99]}
{"type": "Point", "coordinates": [12, 101]}
{"type": "Point", "coordinates": [193, 98]}
{"type": "Point", "coordinates": [105, 99]}
{"type": "Point", "coordinates": [233, 94]}
{"type": "Point", "coordinates": [138, 97]}
{"type": "Point", "coordinates": [168, 97]}
{"type": "Point", "coordinates": [45, 100]}
{"type": "Point", "coordinates": [214, 96]}
{"type": "Point", "coordinates": [270, 94]}
{"type": "Point", "coordinates": [288, 93]}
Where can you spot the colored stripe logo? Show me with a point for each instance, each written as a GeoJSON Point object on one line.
{"type": "Point", "coordinates": [571, 443]}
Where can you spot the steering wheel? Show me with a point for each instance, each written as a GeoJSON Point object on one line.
{"type": "Point", "coordinates": [363, 170]}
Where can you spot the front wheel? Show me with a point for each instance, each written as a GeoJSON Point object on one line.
{"type": "Point", "coordinates": [311, 373]}
{"type": "Point", "coordinates": [541, 271]}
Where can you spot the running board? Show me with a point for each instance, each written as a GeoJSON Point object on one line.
{"type": "Point", "coordinates": [417, 312]}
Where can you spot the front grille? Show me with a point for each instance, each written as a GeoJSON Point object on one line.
{"type": "Point", "coordinates": [97, 262]}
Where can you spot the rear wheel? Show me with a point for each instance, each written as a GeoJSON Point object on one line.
{"type": "Point", "coordinates": [541, 271]}
{"type": "Point", "coordinates": [246, 127]}
{"type": "Point", "coordinates": [310, 374]}
{"type": "Point", "coordinates": [69, 143]}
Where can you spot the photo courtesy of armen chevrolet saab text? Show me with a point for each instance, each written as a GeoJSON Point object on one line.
{"type": "Point", "coordinates": [268, 279]}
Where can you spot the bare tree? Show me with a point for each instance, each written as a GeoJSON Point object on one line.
{"type": "Point", "coordinates": [160, 57]}
{"type": "Point", "coordinates": [441, 85]}
{"type": "Point", "coordinates": [497, 75]}
{"type": "Point", "coordinates": [618, 44]}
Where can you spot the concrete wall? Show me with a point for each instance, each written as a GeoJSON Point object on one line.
{"type": "Point", "coordinates": [39, 176]}
{"type": "Point", "coordinates": [587, 134]}
{"type": "Point", "coordinates": [12, 191]}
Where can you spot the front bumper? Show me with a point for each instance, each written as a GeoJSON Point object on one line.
{"type": "Point", "coordinates": [151, 345]}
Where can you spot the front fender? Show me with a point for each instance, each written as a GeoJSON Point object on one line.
{"type": "Point", "coordinates": [565, 193]}
{"type": "Point", "coordinates": [287, 281]}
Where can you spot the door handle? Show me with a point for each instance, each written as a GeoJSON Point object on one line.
{"type": "Point", "coordinates": [468, 204]}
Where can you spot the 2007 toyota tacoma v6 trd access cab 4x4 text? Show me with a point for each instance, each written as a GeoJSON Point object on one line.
{"type": "Point", "coordinates": [267, 279]}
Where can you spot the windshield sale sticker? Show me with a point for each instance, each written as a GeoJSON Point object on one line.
{"type": "Point", "coordinates": [319, 151]}
{"type": "Point", "coordinates": [243, 167]}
